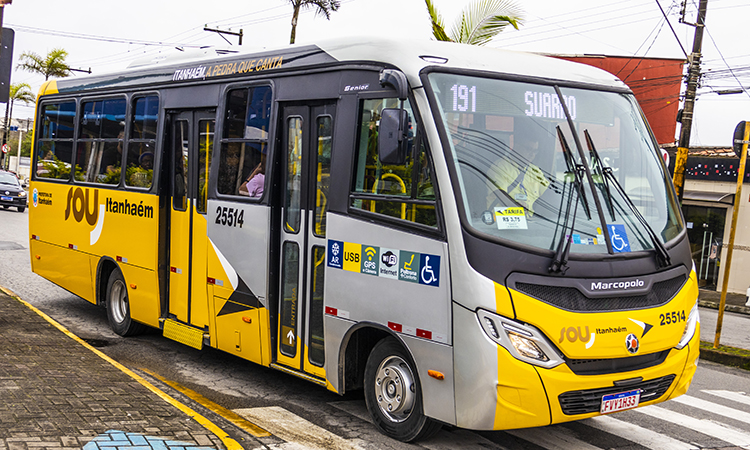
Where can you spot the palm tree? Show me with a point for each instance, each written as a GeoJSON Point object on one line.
{"type": "Point", "coordinates": [22, 93]}
{"type": "Point", "coordinates": [53, 65]}
{"type": "Point", "coordinates": [322, 7]}
{"type": "Point", "coordinates": [479, 22]}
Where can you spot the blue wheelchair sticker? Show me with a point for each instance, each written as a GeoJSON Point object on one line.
{"type": "Point", "coordinates": [619, 238]}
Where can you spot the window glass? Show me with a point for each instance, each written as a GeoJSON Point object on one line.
{"type": "Point", "coordinates": [323, 172]}
{"type": "Point", "coordinates": [403, 191]}
{"type": "Point", "coordinates": [54, 150]}
{"type": "Point", "coordinates": [316, 337]}
{"type": "Point", "coordinates": [142, 143]}
{"type": "Point", "coordinates": [242, 169]}
{"type": "Point", "coordinates": [293, 175]}
{"type": "Point", "coordinates": [103, 119]}
{"type": "Point", "coordinates": [58, 120]}
{"type": "Point", "coordinates": [515, 147]}
{"type": "Point", "coordinates": [290, 290]}
{"type": "Point", "coordinates": [180, 159]}
{"type": "Point", "coordinates": [145, 115]}
{"type": "Point", "coordinates": [242, 164]}
{"type": "Point", "coordinates": [54, 159]}
{"type": "Point", "coordinates": [100, 145]}
{"type": "Point", "coordinates": [248, 113]}
{"type": "Point", "coordinates": [205, 147]}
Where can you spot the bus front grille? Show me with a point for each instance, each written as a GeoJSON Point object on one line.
{"type": "Point", "coordinates": [616, 365]}
{"type": "Point", "coordinates": [589, 401]}
{"type": "Point", "coordinates": [571, 299]}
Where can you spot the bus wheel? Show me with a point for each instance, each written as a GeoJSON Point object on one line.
{"type": "Point", "coordinates": [393, 394]}
{"type": "Point", "coordinates": [118, 307]}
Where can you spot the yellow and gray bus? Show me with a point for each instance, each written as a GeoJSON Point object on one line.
{"type": "Point", "coordinates": [474, 237]}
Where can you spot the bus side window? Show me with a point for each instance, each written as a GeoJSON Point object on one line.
{"type": "Point", "coordinates": [404, 191]}
{"type": "Point", "coordinates": [244, 143]}
{"type": "Point", "coordinates": [140, 151]}
{"type": "Point", "coordinates": [101, 140]}
{"type": "Point", "coordinates": [54, 149]}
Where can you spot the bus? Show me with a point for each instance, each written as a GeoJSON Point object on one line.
{"type": "Point", "coordinates": [472, 237]}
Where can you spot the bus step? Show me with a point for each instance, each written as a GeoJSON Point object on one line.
{"type": "Point", "coordinates": [184, 334]}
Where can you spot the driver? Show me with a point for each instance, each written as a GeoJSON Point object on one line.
{"type": "Point", "coordinates": [515, 172]}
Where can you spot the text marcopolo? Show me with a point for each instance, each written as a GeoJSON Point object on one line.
{"type": "Point", "coordinates": [599, 286]}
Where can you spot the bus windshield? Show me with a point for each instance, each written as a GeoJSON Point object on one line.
{"type": "Point", "coordinates": [539, 164]}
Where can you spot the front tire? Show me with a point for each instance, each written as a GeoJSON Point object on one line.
{"type": "Point", "coordinates": [393, 393]}
{"type": "Point", "coordinates": [21, 209]}
{"type": "Point", "coordinates": [118, 307]}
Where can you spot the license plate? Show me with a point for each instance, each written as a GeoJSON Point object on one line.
{"type": "Point", "coordinates": [619, 402]}
{"type": "Point", "coordinates": [6, 199]}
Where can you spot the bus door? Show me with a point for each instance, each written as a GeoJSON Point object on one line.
{"type": "Point", "coordinates": [190, 146]}
{"type": "Point", "coordinates": [305, 154]}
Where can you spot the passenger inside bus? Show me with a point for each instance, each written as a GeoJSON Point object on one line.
{"type": "Point", "coordinates": [253, 185]}
{"type": "Point", "coordinates": [516, 173]}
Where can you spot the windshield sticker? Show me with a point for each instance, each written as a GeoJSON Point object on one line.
{"type": "Point", "coordinates": [619, 238]}
{"type": "Point", "coordinates": [577, 239]}
{"type": "Point", "coordinates": [511, 218]}
{"type": "Point", "coordinates": [402, 265]}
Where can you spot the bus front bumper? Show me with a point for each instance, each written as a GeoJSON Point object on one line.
{"type": "Point", "coordinates": [496, 391]}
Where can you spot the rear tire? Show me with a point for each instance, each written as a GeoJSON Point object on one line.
{"type": "Point", "coordinates": [394, 395]}
{"type": "Point", "coordinates": [118, 307]}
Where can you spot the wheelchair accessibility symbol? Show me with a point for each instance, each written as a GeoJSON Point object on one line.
{"type": "Point", "coordinates": [429, 273]}
{"type": "Point", "coordinates": [619, 238]}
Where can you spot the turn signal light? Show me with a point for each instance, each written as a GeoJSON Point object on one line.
{"type": "Point", "coordinates": [436, 375]}
{"type": "Point", "coordinates": [247, 319]}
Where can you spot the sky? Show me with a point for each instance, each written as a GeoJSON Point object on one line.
{"type": "Point", "coordinates": [106, 36]}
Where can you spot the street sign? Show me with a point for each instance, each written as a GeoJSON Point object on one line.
{"type": "Point", "coordinates": [739, 136]}
{"type": "Point", "coordinates": [6, 147]}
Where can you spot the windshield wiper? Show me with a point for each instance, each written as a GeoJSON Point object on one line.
{"type": "Point", "coordinates": [662, 255]}
{"type": "Point", "coordinates": [599, 169]}
{"type": "Point", "coordinates": [560, 262]}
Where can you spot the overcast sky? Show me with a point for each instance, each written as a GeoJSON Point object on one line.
{"type": "Point", "coordinates": [106, 36]}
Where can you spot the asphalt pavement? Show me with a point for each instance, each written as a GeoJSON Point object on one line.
{"type": "Point", "coordinates": [59, 392]}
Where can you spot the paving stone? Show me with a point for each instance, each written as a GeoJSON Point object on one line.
{"type": "Point", "coordinates": [55, 394]}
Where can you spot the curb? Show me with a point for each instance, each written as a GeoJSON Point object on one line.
{"type": "Point", "coordinates": [730, 308]}
{"type": "Point", "coordinates": [727, 359]}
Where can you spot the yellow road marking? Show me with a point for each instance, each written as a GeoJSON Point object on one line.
{"type": "Point", "coordinates": [235, 418]}
{"type": "Point", "coordinates": [230, 443]}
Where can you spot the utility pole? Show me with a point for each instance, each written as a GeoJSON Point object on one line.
{"type": "Point", "coordinates": [694, 72]}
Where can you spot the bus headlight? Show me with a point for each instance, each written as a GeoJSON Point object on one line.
{"type": "Point", "coordinates": [690, 326]}
{"type": "Point", "coordinates": [524, 342]}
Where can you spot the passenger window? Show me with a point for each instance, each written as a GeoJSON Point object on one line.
{"type": "Point", "coordinates": [404, 191]}
{"type": "Point", "coordinates": [100, 144]}
{"type": "Point", "coordinates": [242, 164]}
{"type": "Point", "coordinates": [205, 147]}
{"type": "Point", "coordinates": [142, 143]}
{"type": "Point", "coordinates": [54, 151]}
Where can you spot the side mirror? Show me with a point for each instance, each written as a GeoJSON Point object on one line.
{"type": "Point", "coordinates": [392, 141]}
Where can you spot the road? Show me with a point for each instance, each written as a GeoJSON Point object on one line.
{"type": "Point", "coordinates": [714, 414]}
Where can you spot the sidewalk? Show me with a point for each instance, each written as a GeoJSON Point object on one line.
{"type": "Point", "coordinates": [734, 302]}
{"type": "Point", "coordinates": [56, 392]}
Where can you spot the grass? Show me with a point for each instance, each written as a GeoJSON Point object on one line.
{"type": "Point", "coordinates": [741, 352]}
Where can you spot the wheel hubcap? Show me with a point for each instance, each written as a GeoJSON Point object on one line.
{"type": "Point", "coordinates": [395, 389]}
{"type": "Point", "coordinates": [119, 299]}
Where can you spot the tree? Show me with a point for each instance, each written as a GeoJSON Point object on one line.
{"type": "Point", "coordinates": [322, 7]}
{"type": "Point", "coordinates": [52, 65]}
{"type": "Point", "coordinates": [22, 93]}
{"type": "Point", "coordinates": [479, 22]}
